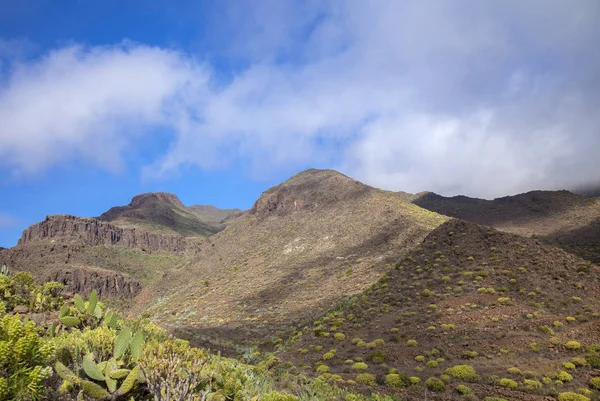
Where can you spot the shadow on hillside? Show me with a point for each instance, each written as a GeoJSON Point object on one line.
{"type": "Point", "coordinates": [583, 241]}
{"type": "Point", "coordinates": [521, 209]}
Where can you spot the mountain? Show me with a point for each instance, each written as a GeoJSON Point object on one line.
{"type": "Point", "coordinates": [506, 306]}
{"type": "Point", "coordinates": [561, 218]}
{"type": "Point", "coordinates": [303, 246]}
{"type": "Point", "coordinates": [164, 213]}
{"type": "Point", "coordinates": [119, 252]}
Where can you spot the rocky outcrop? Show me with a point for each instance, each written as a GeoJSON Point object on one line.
{"type": "Point", "coordinates": [108, 284]}
{"type": "Point", "coordinates": [66, 228]}
{"type": "Point", "coordinates": [309, 190]}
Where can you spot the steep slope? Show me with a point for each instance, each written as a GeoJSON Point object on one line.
{"type": "Point", "coordinates": [164, 213]}
{"type": "Point", "coordinates": [558, 217]}
{"type": "Point", "coordinates": [304, 244]}
{"type": "Point", "coordinates": [468, 295]}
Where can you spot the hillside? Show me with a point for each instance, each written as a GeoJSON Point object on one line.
{"type": "Point", "coordinates": [164, 213]}
{"type": "Point", "coordinates": [86, 254]}
{"type": "Point", "coordinates": [120, 251]}
{"type": "Point", "coordinates": [561, 218]}
{"type": "Point", "coordinates": [520, 313]}
{"type": "Point", "coordinates": [304, 245]}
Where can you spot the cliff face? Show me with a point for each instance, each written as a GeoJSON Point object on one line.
{"type": "Point", "coordinates": [68, 228]}
{"type": "Point", "coordinates": [108, 284]}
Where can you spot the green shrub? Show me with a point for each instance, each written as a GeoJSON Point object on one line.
{"type": "Point", "coordinates": [569, 365]}
{"type": "Point", "coordinates": [414, 380]}
{"type": "Point", "coordinates": [394, 380]}
{"type": "Point", "coordinates": [378, 357]}
{"type": "Point", "coordinates": [366, 379]}
{"type": "Point", "coordinates": [322, 369]}
{"type": "Point", "coordinates": [435, 384]}
{"type": "Point", "coordinates": [595, 383]}
{"type": "Point", "coordinates": [24, 359]}
{"type": "Point", "coordinates": [339, 336]}
{"type": "Point", "coordinates": [420, 358]}
{"type": "Point", "coordinates": [469, 354]}
{"type": "Point", "coordinates": [432, 364]}
{"type": "Point", "coordinates": [328, 355]}
{"type": "Point", "coordinates": [508, 383]}
{"type": "Point", "coordinates": [360, 366]}
{"type": "Point", "coordinates": [573, 345]}
{"type": "Point", "coordinates": [462, 389]}
{"type": "Point", "coordinates": [593, 361]}
{"type": "Point", "coordinates": [411, 343]}
{"type": "Point", "coordinates": [572, 397]}
{"type": "Point", "coordinates": [463, 372]}
{"type": "Point", "coordinates": [514, 371]}
{"type": "Point", "coordinates": [562, 376]}
{"type": "Point", "coordinates": [532, 384]}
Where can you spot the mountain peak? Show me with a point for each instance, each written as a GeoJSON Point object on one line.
{"type": "Point", "coordinates": [308, 190]}
{"type": "Point", "coordinates": [152, 198]}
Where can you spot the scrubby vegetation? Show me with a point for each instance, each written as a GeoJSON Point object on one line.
{"type": "Point", "coordinates": [86, 351]}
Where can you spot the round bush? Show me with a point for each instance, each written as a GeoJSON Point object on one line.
{"type": "Point", "coordinates": [462, 389]}
{"type": "Point", "coordinates": [322, 369]}
{"type": "Point", "coordinates": [414, 380]}
{"type": "Point", "coordinates": [328, 355]}
{"type": "Point", "coordinates": [595, 383]}
{"type": "Point", "coordinates": [411, 343]}
{"type": "Point", "coordinates": [394, 380]}
{"type": "Point", "coordinates": [339, 336]}
{"type": "Point", "coordinates": [572, 345]}
{"type": "Point", "coordinates": [420, 358]}
{"type": "Point", "coordinates": [435, 384]}
{"type": "Point", "coordinates": [572, 397]}
{"type": "Point", "coordinates": [532, 384]}
{"type": "Point", "coordinates": [378, 357]}
{"type": "Point", "coordinates": [514, 371]}
{"type": "Point", "coordinates": [360, 366]}
{"type": "Point", "coordinates": [464, 372]}
{"type": "Point", "coordinates": [508, 383]}
{"type": "Point", "coordinates": [366, 378]}
{"type": "Point", "coordinates": [432, 364]}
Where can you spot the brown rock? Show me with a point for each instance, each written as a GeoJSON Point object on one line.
{"type": "Point", "coordinates": [20, 309]}
{"type": "Point", "coordinates": [108, 284]}
{"type": "Point", "coordinates": [66, 228]}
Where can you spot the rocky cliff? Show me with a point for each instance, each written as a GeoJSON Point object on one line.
{"type": "Point", "coordinates": [108, 284]}
{"type": "Point", "coordinates": [66, 228]}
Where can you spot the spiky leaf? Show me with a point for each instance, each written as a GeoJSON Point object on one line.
{"type": "Point", "coordinates": [93, 390]}
{"type": "Point", "coordinates": [66, 373]}
{"type": "Point", "coordinates": [129, 381]}
{"type": "Point", "coordinates": [122, 342]}
{"type": "Point", "coordinates": [70, 321]}
{"type": "Point", "coordinates": [136, 345]}
{"type": "Point", "coordinates": [64, 310]}
{"type": "Point", "coordinates": [98, 312]}
{"type": "Point", "coordinates": [79, 303]}
{"type": "Point", "coordinates": [119, 373]}
{"type": "Point", "coordinates": [91, 369]}
{"type": "Point", "coordinates": [111, 384]}
{"type": "Point", "coordinates": [52, 330]}
{"type": "Point", "coordinates": [102, 366]}
{"type": "Point", "coordinates": [92, 302]}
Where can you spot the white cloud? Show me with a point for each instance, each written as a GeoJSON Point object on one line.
{"type": "Point", "coordinates": [90, 103]}
{"type": "Point", "coordinates": [468, 97]}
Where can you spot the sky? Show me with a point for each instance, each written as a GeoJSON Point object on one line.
{"type": "Point", "coordinates": [216, 101]}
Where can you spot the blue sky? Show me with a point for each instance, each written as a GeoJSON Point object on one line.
{"type": "Point", "coordinates": [218, 101]}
